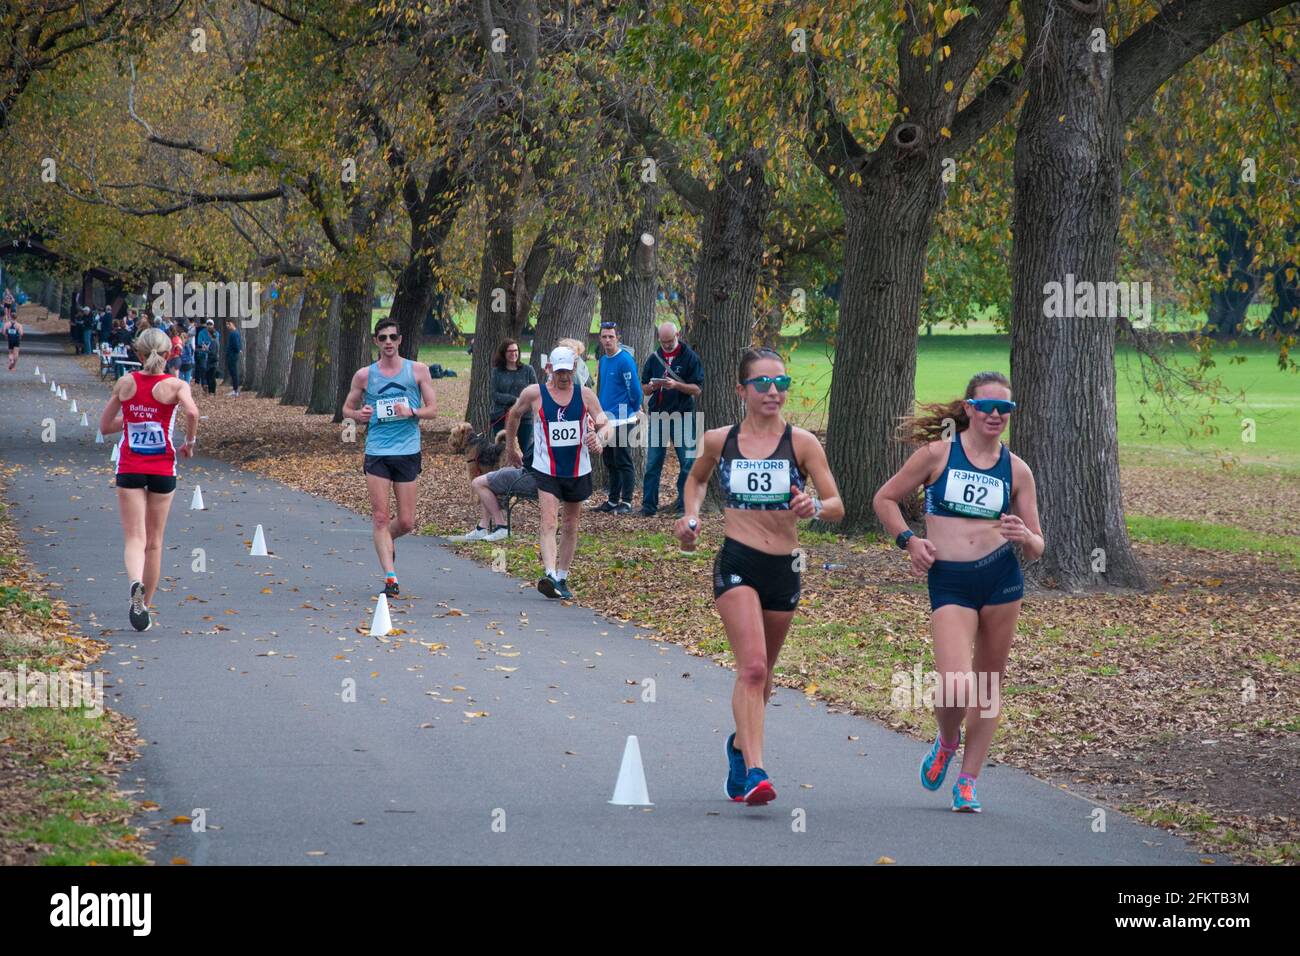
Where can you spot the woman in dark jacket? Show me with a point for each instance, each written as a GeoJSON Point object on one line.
{"type": "Point", "coordinates": [509, 378]}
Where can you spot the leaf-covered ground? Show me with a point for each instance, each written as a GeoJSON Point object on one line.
{"type": "Point", "coordinates": [1178, 705]}
{"type": "Point", "coordinates": [58, 767]}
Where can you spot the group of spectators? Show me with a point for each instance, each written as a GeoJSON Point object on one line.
{"type": "Point", "coordinates": [198, 347]}
{"type": "Point", "coordinates": [666, 385]}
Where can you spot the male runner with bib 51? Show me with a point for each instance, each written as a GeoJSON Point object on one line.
{"type": "Point", "coordinates": [397, 393]}
{"type": "Point", "coordinates": [563, 442]}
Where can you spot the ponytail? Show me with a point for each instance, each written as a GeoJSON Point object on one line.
{"type": "Point", "coordinates": [932, 419]}
{"type": "Point", "coordinates": [153, 349]}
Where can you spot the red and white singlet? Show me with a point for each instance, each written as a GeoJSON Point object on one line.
{"type": "Point", "coordinates": [146, 447]}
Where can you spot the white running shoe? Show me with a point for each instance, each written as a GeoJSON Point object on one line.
{"type": "Point", "coordinates": [478, 534]}
{"type": "Point", "coordinates": [500, 534]}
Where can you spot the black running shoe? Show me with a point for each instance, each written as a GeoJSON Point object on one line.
{"type": "Point", "coordinates": [138, 613]}
{"type": "Point", "coordinates": [607, 507]}
{"type": "Point", "coordinates": [390, 587]}
{"type": "Point", "coordinates": [548, 586]}
{"type": "Point", "coordinates": [563, 588]}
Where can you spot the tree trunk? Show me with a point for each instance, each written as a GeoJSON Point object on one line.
{"type": "Point", "coordinates": [353, 350]}
{"type": "Point", "coordinates": [731, 249]}
{"type": "Point", "coordinates": [566, 311]}
{"type": "Point", "coordinates": [628, 282]}
{"type": "Point", "coordinates": [1066, 214]}
{"type": "Point", "coordinates": [1285, 314]}
{"type": "Point", "coordinates": [412, 301]}
{"type": "Point", "coordinates": [275, 376]}
{"type": "Point", "coordinates": [322, 383]}
{"type": "Point", "coordinates": [497, 316]}
{"type": "Point", "coordinates": [305, 343]}
{"type": "Point", "coordinates": [1227, 312]}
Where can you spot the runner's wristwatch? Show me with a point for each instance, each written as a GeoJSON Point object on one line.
{"type": "Point", "coordinates": [903, 538]}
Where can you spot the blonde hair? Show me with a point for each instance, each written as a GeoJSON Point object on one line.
{"type": "Point", "coordinates": [153, 347]}
{"type": "Point", "coordinates": [579, 348]}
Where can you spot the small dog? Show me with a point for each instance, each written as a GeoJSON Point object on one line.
{"type": "Point", "coordinates": [481, 453]}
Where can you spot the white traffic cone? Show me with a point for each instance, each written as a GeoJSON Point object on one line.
{"type": "Point", "coordinates": [630, 790]}
{"type": "Point", "coordinates": [63, 394]}
{"type": "Point", "coordinates": [53, 388]}
{"type": "Point", "coordinates": [85, 422]}
{"type": "Point", "coordinates": [42, 379]}
{"type": "Point", "coordinates": [196, 504]}
{"type": "Point", "coordinates": [381, 623]}
{"type": "Point", "coordinates": [99, 437]}
{"type": "Point", "coordinates": [116, 453]}
{"type": "Point", "coordinates": [73, 409]}
{"type": "Point", "coordinates": [37, 370]}
{"type": "Point", "coordinates": [259, 544]}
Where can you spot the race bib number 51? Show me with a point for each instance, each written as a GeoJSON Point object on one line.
{"type": "Point", "coordinates": [974, 494]}
{"type": "Point", "coordinates": [146, 438]}
{"type": "Point", "coordinates": [760, 481]}
{"type": "Point", "coordinates": [386, 408]}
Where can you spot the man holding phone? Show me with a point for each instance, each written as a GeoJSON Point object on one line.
{"type": "Point", "coordinates": [397, 393]}
{"type": "Point", "coordinates": [673, 375]}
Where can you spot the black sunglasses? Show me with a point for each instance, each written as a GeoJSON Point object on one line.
{"type": "Point", "coordinates": [388, 338]}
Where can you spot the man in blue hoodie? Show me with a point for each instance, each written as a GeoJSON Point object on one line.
{"type": "Point", "coordinates": [619, 391]}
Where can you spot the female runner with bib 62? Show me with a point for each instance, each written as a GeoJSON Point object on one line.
{"type": "Point", "coordinates": [979, 502]}
{"type": "Point", "coordinates": [143, 405]}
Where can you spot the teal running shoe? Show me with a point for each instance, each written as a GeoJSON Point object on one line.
{"type": "Point", "coordinates": [935, 766]}
{"type": "Point", "coordinates": [735, 785]}
{"type": "Point", "coordinates": [758, 789]}
{"type": "Point", "coordinates": [963, 796]}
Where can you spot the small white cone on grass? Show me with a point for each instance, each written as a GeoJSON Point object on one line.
{"type": "Point", "coordinates": [99, 437]}
{"type": "Point", "coordinates": [381, 623]}
{"type": "Point", "coordinates": [85, 422]}
{"type": "Point", "coordinates": [630, 790]}
{"type": "Point", "coordinates": [259, 544]}
{"type": "Point", "coordinates": [116, 453]}
{"type": "Point", "coordinates": [196, 504]}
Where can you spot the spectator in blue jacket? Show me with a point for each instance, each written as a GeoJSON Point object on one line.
{"type": "Point", "coordinates": [234, 349]}
{"type": "Point", "coordinates": [619, 391]}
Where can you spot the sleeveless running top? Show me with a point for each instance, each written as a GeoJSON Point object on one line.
{"type": "Point", "coordinates": [759, 484]}
{"type": "Point", "coordinates": [964, 491]}
{"type": "Point", "coordinates": [558, 433]}
{"type": "Point", "coordinates": [387, 434]}
{"type": "Point", "coordinates": [13, 335]}
{"type": "Point", "coordinates": [146, 447]}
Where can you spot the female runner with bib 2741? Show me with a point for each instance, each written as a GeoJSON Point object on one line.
{"type": "Point", "coordinates": [143, 406]}
{"type": "Point", "coordinates": [979, 502]}
{"type": "Point", "coordinates": [764, 465]}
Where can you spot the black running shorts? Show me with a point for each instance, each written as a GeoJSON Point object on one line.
{"type": "Point", "coordinates": [772, 575]}
{"type": "Point", "coordinates": [156, 484]}
{"type": "Point", "coordinates": [397, 468]}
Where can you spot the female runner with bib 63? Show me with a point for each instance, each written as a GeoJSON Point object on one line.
{"type": "Point", "coordinates": [979, 502]}
{"type": "Point", "coordinates": [764, 465]}
{"type": "Point", "coordinates": [143, 405]}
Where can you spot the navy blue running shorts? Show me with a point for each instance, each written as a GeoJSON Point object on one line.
{"type": "Point", "coordinates": [992, 579]}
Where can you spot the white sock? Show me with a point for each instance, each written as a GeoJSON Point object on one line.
{"type": "Point", "coordinates": [561, 575]}
{"type": "Point", "coordinates": [550, 573]}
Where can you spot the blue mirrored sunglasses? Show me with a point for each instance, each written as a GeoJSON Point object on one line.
{"type": "Point", "coordinates": [764, 383]}
{"type": "Point", "coordinates": [990, 405]}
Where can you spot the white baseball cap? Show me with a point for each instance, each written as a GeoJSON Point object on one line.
{"type": "Point", "coordinates": [562, 359]}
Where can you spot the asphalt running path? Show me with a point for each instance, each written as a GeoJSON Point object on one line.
{"type": "Point", "coordinates": [239, 693]}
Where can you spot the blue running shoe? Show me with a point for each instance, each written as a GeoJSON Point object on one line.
{"type": "Point", "coordinates": [963, 796]}
{"type": "Point", "coordinates": [935, 766]}
{"type": "Point", "coordinates": [758, 789]}
{"type": "Point", "coordinates": [735, 785]}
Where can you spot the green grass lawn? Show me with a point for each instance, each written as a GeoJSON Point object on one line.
{"type": "Point", "coordinates": [1254, 388]}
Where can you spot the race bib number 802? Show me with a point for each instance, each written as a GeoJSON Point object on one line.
{"type": "Point", "coordinates": [563, 434]}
